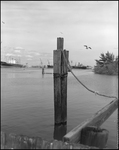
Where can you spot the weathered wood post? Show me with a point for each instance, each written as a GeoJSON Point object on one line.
{"type": "Point", "coordinates": [59, 131]}
{"type": "Point", "coordinates": [43, 70]}
{"type": "Point", "coordinates": [94, 136]}
{"type": "Point", "coordinates": [60, 83]}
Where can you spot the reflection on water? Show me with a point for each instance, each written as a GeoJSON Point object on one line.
{"type": "Point", "coordinates": [11, 75]}
{"type": "Point", "coordinates": [27, 102]}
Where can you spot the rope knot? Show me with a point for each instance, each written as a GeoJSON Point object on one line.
{"type": "Point", "coordinates": [96, 92]}
{"type": "Point", "coordinates": [57, 75]}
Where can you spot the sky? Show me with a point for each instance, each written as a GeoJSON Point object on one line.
{"type": "Point", "coordinates": [29, 30]}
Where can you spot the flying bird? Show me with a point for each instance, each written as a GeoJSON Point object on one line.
{"type": "Point", "coordinates": [3, 22]}
{"type": "Point", "coordinates": [87, 47]}
{"type": "Point", "coordinates": [61, 32]}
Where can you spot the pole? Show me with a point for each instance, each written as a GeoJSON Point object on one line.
{"type": "Point", "coordinates": [60, 83]}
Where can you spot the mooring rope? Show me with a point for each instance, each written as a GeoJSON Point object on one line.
{"type": "Point", "coordinates": [95, 92]}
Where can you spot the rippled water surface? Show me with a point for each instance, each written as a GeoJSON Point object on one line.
{"type": "Point", "coordinates": [27, 102]}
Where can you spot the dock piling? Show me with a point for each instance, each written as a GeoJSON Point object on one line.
{"type": "Point", "coordinates": [60, 83]}
{"type": "Point", "coordinates": [94, 136]}
{"type": "Point", "coordinates": [42, 70]}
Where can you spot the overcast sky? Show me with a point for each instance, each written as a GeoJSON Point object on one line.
{"type": "Point", "coordinates": [29, 29]}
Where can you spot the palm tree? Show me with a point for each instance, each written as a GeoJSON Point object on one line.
{"type": "Point", "coordinates": [105, 59]}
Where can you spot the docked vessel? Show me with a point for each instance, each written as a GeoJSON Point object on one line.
{"type": "Point", "coordinates": [11, 63]}
{"type": "Point", "coordinates": [5, 64]}
{"type": "Point", "coordinates": [79, 67]}
{"type": "Point", "coordinates": [49, 66]}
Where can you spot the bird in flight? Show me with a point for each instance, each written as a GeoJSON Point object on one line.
{"type": "Point", "coordinates": [61, 32]}
{"type": "Point", "coordinates": [87, 47]}
{"type": "Point", "coordinates": [3, 22]}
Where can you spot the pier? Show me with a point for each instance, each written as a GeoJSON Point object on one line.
{"type": "Point", "coordinates": [86, 135]}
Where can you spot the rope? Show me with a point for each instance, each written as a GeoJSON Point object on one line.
{"type": "Point", "coordinates": [95, 92]}
{"type": "Point", "coordinates": [57, 75]}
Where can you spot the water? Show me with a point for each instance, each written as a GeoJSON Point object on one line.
{"type": "Point", "coordinates": [27, 103]}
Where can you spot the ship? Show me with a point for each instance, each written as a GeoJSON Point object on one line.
{"type": "Point", "coordinates": [5, 64]}
{"type": "Point", "coordinates": [79, 67]}
{"type": "Point", "coordinates": [49, 66]}
{"type": "Point", "coordinates": [11, 63]}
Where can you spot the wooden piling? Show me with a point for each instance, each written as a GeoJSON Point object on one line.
{"type": "Point", "coordinates": [60, 43]}
{"type": "Point", "coordinates": [93, 136]}
{"type": "Point", "coordinates": [59, 132]}
{"type": "Point", "coordinates": [64, 73]}
{"type": "Point", "coordinates": [43, 70]}
{"type": "Point", "coordinates": [60, 83]}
